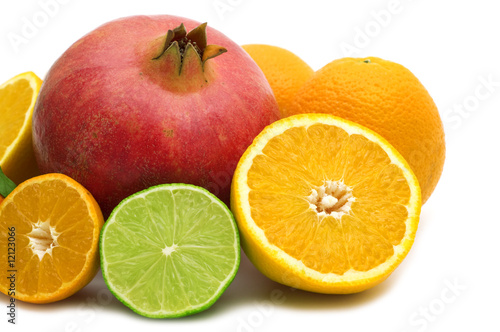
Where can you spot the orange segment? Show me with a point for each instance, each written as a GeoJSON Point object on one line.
{"type": "Point", "coordinates": [330, 142]}
{"type": "Point", "coordinates": [392, 187]}
{"type": "Point", "coordinates": [326, 251]}
{"type": "Point", "coordinates": [68, 263]}
{"type": "Point", "coordinates": [366, 248]}
{"type": "Point", "coordinates": [387, 219]}
{"type": "Point", "coordinates": [57, 224]}
{"type": "Point", "coordinates": [49, 280]}
{"type": "Point", "coordinates": [327, 201]}
{"type": "Point", "coordinates": [360, 150]}
{"type": "Point", "coordinates": [28, 286]}
{"type": "Point", "coordinates": [17, 101]}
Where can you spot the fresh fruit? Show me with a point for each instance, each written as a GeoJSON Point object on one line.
{"type": "Point", "coordinates": [387, 98]}
{"type": "Point", "coordinates": [324, 204]}
{"type": "Point", "coordinates": [120, 112]}
{"type": "Point", "coordinates": [17, 100]}
{"type": "Point", "coordinates": [284, 71]}
{"type": "Point", "coordinates": [53, 223]}
{"type": "Point", "coordinates": [170, 250]}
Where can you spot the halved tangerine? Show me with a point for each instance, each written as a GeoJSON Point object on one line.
{"type": "Point", "coordinates": [49, 240]}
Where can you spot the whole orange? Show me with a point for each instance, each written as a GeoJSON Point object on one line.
{"type": "Point", "coordinates": [387, 98]}
{"type": "Point", "coordinates": [284, 71]}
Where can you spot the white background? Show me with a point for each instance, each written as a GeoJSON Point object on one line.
{"type": "Point", "coordinates": [449, 281]}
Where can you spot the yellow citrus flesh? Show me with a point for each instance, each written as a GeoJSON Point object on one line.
{"type": "Point", "coordinates": [17, 101]}
{"type": "Point", "coordinates": [324, 204]}
{"type": "Point", "coordinates": [56, 224]}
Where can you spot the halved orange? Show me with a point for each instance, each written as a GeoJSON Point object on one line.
{"type": "Point", "coordinates": [53, 224]}
{"type": "Point", "coordinates": [17, 101]}
{"type": "Point", "coordinates": [324, 204]}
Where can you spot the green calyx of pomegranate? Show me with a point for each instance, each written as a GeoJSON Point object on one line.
{"type": "Point", "coordinates": [188, 51]}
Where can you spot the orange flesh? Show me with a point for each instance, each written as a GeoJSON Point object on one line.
{"type": "Point", "coordinates": [67, 213]}
{"type": "Point", "coordinates": [281, 179]}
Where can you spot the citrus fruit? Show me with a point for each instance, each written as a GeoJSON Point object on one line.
{"type": "Point", "coordinates": [387, 98]}
{"type": "Point", "coordinates": [284, 71]}
{"type": "Point", "coordinates": [54, 223]}
{"type": "Point", "coordinates": [17, 100]}
{"type": "Point", "coordinates": [324, 204]}
{"type": "Point", "coordinates": [170, 250]}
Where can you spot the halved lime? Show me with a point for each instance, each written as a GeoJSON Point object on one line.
{"type": "Point", "coordinates": [170, 250]}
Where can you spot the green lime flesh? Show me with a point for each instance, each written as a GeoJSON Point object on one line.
{"type": "Point", "coordinates": [170, 250]}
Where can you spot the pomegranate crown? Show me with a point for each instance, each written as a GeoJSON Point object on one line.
{"type": "Point", "coordinates": [180, 44]}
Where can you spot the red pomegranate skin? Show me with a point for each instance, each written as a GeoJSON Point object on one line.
{"type": "Point", "coordinates": [117, 121]}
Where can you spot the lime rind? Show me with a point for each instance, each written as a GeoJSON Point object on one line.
{"type": "Point", "coordinates": [155, 235]}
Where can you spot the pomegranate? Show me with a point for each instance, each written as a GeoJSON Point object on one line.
{"type": "Point", "coordinates": [140, 101]}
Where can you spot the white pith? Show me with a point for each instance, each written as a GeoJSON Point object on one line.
{"type": "Point", "coordinates": [43, 238]}
{"type": "Point", "coordinates": [168, 250]}
{"type": "Point", "coordinates": [332, 198]}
